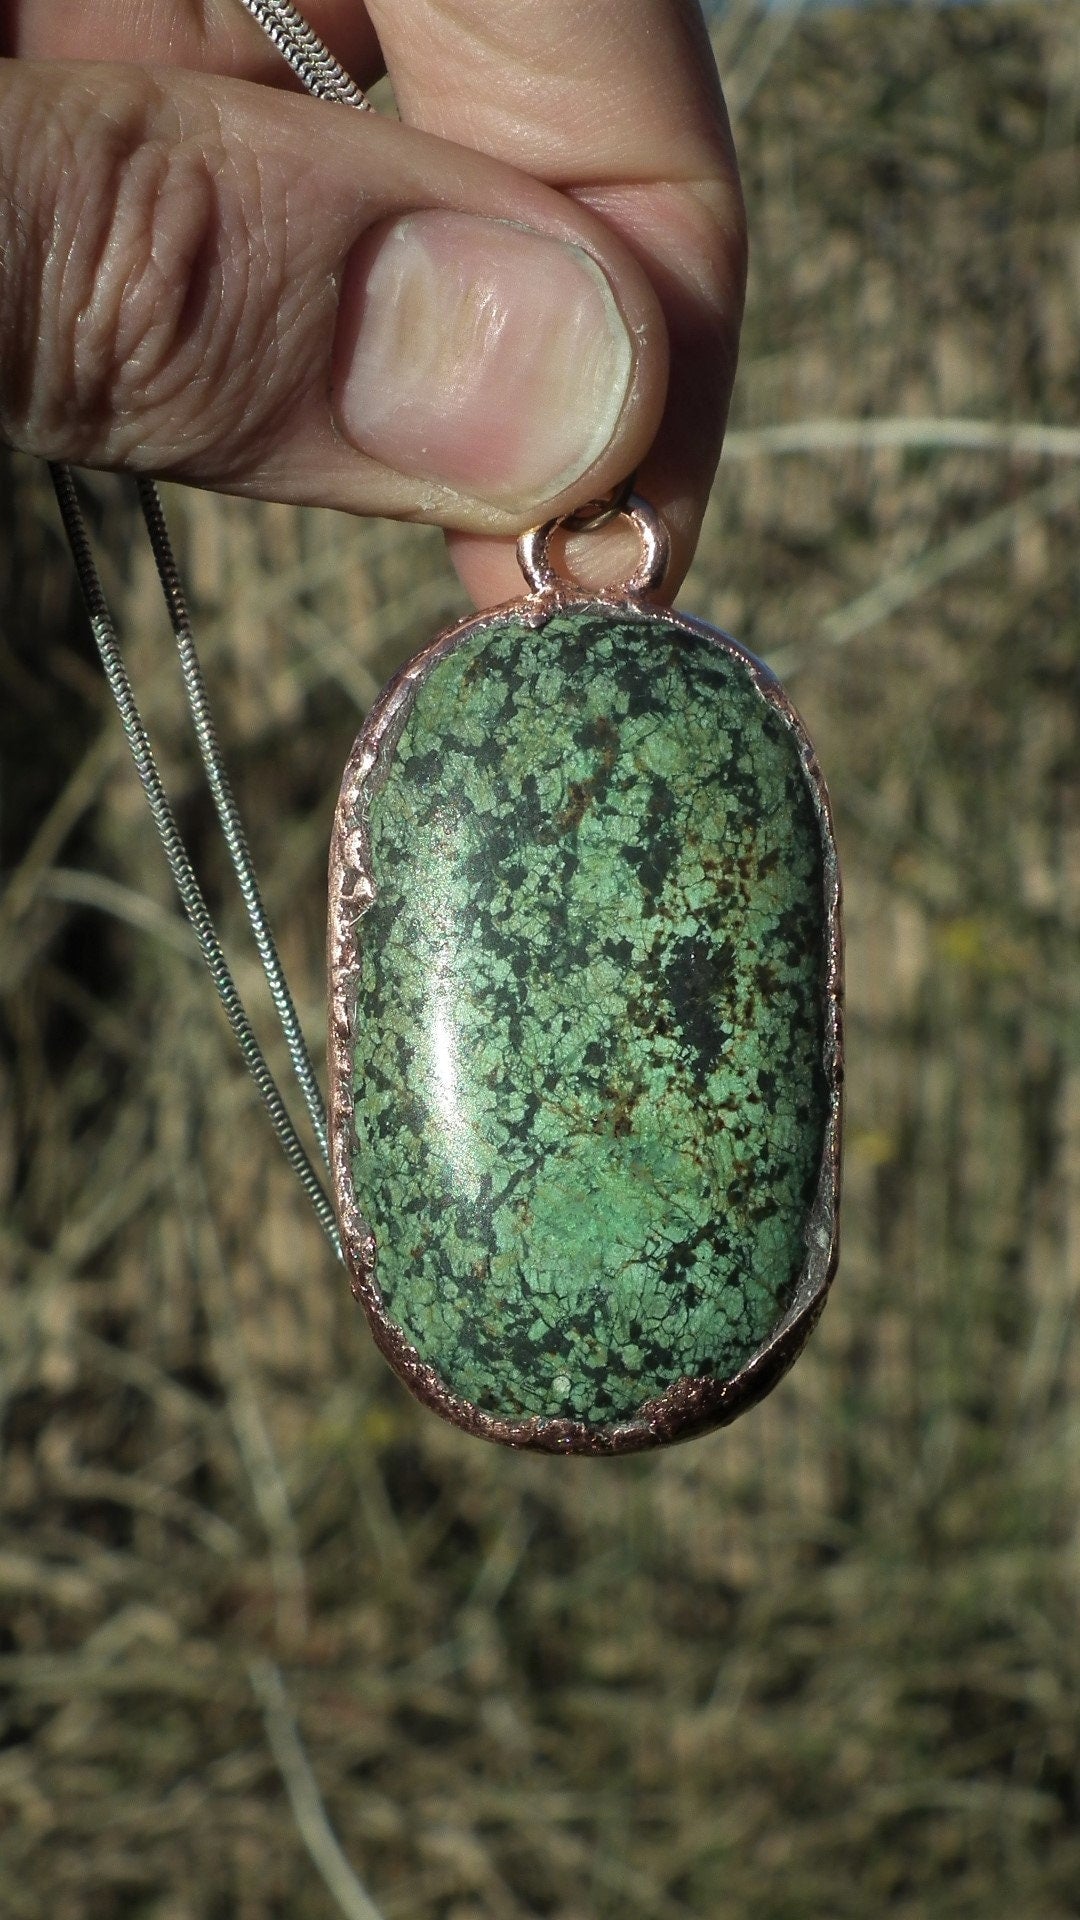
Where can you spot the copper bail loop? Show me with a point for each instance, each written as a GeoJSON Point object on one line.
{"type": "Point", "coordinates": [649, 574]}
{"type": "Point", "coordinates": [596, 513]}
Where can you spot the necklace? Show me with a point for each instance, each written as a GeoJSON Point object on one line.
{"type": "Point", "coordinates": [584, 980]}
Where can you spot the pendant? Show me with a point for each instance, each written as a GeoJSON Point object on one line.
{"type": "Point", "coordinates": [585, 985]}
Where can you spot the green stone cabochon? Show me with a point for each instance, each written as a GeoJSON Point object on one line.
{"type": "Point", "coordinates": [588, 1083]}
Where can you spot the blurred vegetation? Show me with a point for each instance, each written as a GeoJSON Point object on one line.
{"type": "Point", "coordinates": [826, 1663]}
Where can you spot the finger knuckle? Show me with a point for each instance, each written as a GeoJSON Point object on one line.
{"type": "Point", "coordinates": [128, 287]}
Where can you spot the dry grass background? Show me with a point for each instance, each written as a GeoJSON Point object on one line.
{"type": "Point", "coordinates": [826, 1663]}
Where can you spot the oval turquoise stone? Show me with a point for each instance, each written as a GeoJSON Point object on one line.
{"type": "Point", "coordinates": [587, 1083]}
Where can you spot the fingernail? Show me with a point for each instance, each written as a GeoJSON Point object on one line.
{"type": "Point", "coordinates": [480, 356]}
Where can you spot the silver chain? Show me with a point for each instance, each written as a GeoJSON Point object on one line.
{"type": "Point", "coordinates": [311, 61]}
{"type": "Point", "coordinates": [232, 826]}
{"type": "Point", "coordinates": [191, 895]}
{"type": "Point", "coordinates": [324, 77]}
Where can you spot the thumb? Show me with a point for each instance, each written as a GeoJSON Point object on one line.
{"type": "Point", "coordinates": [267, 295]}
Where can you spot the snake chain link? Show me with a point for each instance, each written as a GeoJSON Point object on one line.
{"type": "Point", "coordinates": [191, 896]}
{"type": "Point", "coordinates": [324, 77]}
{"type": "Point", "coordinates": [228, 814]}
{"type": "Point", "coordinates": [310, 60]}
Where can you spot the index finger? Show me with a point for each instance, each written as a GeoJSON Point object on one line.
{"type": "Point", "coordinates": [618, 106]}
{"type": "Point", "coordinates": [215, 36]}
{"type": "Point", "coordinates": [621, 107]}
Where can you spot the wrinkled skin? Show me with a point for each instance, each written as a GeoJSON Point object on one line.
{"type": "Point", "coordinates": [180, 231]}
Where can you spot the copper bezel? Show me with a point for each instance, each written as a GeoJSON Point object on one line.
{"type": "Point", "coordinates": [689, 1406]}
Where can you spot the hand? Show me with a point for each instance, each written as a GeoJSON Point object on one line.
{"type": "Point", "coordinates": [464, 318]}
